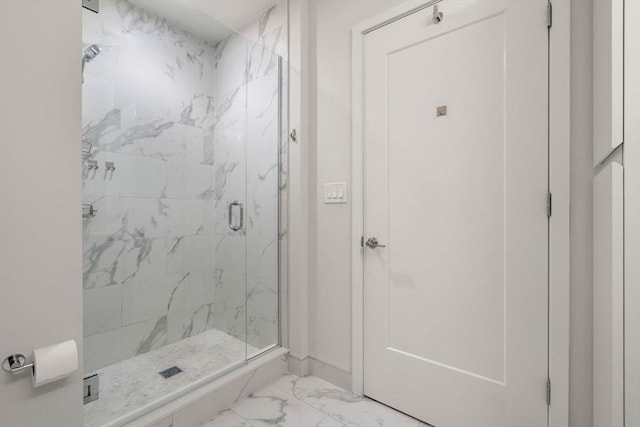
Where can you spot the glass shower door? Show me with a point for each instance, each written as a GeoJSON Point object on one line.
{"type": "Point", "coordinates": [230, 165]}
{"type": "Point", "coordinates": [264, 118]}
{"type": "Point", "coordinates": [247, 164]}
{"type": "Point", "coordinates": [182, 190]}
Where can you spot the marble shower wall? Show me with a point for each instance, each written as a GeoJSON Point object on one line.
{"type": "Point", "coordinates": [190, 127]}
{"type": "Point", "coordinates": [149, 257]}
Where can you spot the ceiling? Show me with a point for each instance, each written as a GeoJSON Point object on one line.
{"type": "Point", "coordinates": [212, 20]}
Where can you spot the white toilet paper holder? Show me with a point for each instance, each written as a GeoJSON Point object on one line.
{"type": "Point", "coordinates": [16, 364]}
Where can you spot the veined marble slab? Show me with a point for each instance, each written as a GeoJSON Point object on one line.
{"type": "Point", "coordinates": [129, 385]}
{"type": "Point", "coordinates": [190, 126]}
{"type": "Point", "coordinates": [310, 402]}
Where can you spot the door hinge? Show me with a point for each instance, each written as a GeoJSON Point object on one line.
{"type": "Point", "coordinates": [548, 391]}
{"type": "Point", "coordinates": [549, 14]}
{"type": "Point", "coordinates": [91, 388]}
{"type": "Point", "coordinates": [548, 204]}
{"type": "Point", "coordinates": [362, 241]}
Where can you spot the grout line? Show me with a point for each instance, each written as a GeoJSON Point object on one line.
{"type": "Point", "coordinates": [245, 387]}
{"type": "Point", "coordinates": [242, 418]}
{"type": "Point", "coordinates": [292, 398]}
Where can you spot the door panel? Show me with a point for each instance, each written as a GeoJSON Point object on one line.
{"type": "Point", "coordinates": [462, 200]}
{"type": "Point", "coordinates": [456, 304]}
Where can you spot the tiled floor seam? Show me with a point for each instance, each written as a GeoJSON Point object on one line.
{"type": "Point", "coordinates": [318, 413]}
{"type": "Point", "coordinates": [243, 418]}
{"type": "Point", "coordinates": [253, 425]}
{"type": "Point", "coordinates": [291, 396]}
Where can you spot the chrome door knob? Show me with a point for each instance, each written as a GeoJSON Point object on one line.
{"type": "Point", "coordinates": [372, 242]}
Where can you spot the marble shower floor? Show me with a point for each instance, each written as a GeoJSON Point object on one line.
{"type": "Point", "coordinates": [309, 402]}
{"type": "Point", "coordinates": [128, 386]}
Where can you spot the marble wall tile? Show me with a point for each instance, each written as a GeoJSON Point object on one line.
{"type": "Point", "coordinates": [122, 257]}
{"type": "Point", "coordinates": [153, 298]}
{"type": "Point", "coordinates": [191, 322]}
{"type": "Point", "coordinates": [160, 140]}
{"type": "Point", "coordinates": [135, 176]}
{"type": "Point", "coordinates": [270, 30]}
{"type": "Point", "coordinates": [230, 252]}
{"type": "Point", "coordinates": [262, 299]}
{"type": "Point", "coordinates": [118, 344]}
{"type": "Point", "coordinates": [208, 146]}
{"type": "Point", "coordinates": [262, 59]}
{"type": "Point", "coordinates": [98, 104]}
{"type": "Point", "coordinates": [262, 257]}
{"type": "Point", "coordinates": [230, 65]}
{"type": "Point", "coordinates": [103, 309]}
{"type": "Point", "coordinates": [190, 127]}
{"type": "Point", "coordinates": [262, 313]}
{"type": "Point", "coordinates": [190, 253]}
{"type": "Point", "coordinates": [149, 216]}
{"type": "Point", "coordinates": [230, 170]}
{"type": "Point", "coordinates": [148, 52]}
{"type": "Point", "coordinates": [261, 335]}
{"type": "Point", "coordinates": [148, 106]}
{"type": "Point", "coordinates": [190, 181]}
{"type": "Point", "coordinates": [230, 303]}
{"type": "Point", "coordinates": [190, 216]}
{"type": "Point", "coordinates": [246, 138]}
{"type": "Point", "coordinates": [263, 116]}
{"type": "Point", "coordinates": [263, 180]}
{"type": "Point", "coordinates": [262, 196]}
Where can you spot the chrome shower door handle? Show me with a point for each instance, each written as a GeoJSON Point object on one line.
{"type": "Point", "coordinates": [372, 243]}
{"type": "Point", "coordinates": [231, 206]}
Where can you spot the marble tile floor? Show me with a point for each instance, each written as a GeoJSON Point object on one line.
{"type": "Point", "coordinates": [130, 385]}
{"type": "Point", "coordinates": [309, 402]}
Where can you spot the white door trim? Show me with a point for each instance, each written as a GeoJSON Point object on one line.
{"type": "Point", "coordinates": [559, 185]}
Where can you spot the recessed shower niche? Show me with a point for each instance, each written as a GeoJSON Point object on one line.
{"type": "Point", "coordinates": [184, 175]}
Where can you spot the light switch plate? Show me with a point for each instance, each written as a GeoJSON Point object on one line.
{"type": "Point", "coordinates": [335, 192]}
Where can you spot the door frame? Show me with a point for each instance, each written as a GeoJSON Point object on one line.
{"type": "Point", "coordinates": [559, 186]}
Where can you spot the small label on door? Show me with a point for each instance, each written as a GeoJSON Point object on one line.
{"type": "Point", "coordinates": [441, 111]}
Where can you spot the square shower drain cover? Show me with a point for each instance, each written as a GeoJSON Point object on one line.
{"type": "Point", "coordinates": [168, 373]}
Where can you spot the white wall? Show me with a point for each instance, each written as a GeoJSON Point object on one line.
{"type": "Point", "coordinates": [330, 24]}
{"type": "Point", "coordinates": [40, 228]}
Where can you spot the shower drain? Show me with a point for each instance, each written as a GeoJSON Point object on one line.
{"type": "Point", "coordinates": [168, 373]}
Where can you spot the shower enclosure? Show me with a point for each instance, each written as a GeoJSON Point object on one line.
{"type": "Point", "coordinates": [183, 184]}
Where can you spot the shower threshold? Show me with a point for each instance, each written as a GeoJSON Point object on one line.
{"type": "Point", "coordinates": [135, 386]}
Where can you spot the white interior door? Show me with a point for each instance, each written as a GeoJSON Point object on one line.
{"type": "Point", "coordinates": [456, 304]}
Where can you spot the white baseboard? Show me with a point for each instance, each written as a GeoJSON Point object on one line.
{"type": "Point", "coordinates": [298, 367]}
{"type": "Point", "coordinates": [326, 371]}
{"type": "Point", "coordinates": [330, 373]}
